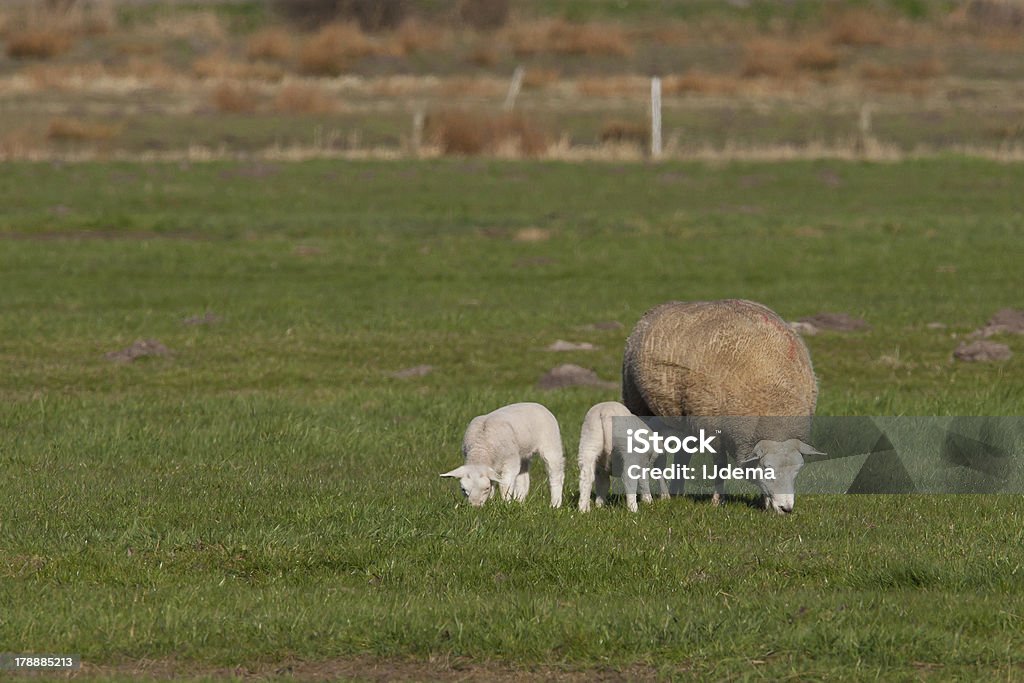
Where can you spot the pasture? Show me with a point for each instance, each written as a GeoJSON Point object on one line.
{"type": "Point", "coordinates": [260, 497]}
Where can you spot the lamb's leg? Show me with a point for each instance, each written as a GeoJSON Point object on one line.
{"type": "Point", "coordinates": [522, 485]}
{"type": "Point", "coordinates": [507, 483]}
{"type": "Point", "coordinates": [554, 461]}
{"type": "Point", "coordinates": [603, 482]}
{"type": "Point", "coordinates": [587, 467]}
{"type": "Point", "coordinates": [645, 490]}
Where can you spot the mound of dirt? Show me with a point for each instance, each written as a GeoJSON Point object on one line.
{"type": "Point", "coordinates": [1005, 321]}
{"type": "Point", "coordinates": [836, 322]}
{"type": "Point", "coordinates": [982, 352]}
{"type": "Point", "coordinates": [569, 375]}
{"type": "Point", "coordinates": [562, 345]}
{"type": "Point", "coordinates": [140, 349]}
{"type": "Point", "coordinates": [414, 371]}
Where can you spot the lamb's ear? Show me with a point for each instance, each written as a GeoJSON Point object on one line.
{"type": "Point", "coordinates": [458, 472]}
{"type": "Point", "coordinates": [492, 474]}
{"type": "Point", "coordinates": [807, 449]}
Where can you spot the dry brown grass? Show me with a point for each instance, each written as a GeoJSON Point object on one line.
{"type": "Point", "coordinates": [701, 82]}
{"type": "Point", "coordinates": [219, 65]}
{"type": "Point", "coordinates": [464, 86]}
{"type": "Point", "coordinates": [273, 44]}
{"type": "Point", "coordinates": [911, 77]}
{"type": "Point", "coordinates": [815, 55]}
{"type": "Point", "coordinates": [613, 86]}
{"type": "Point", "coordinates": [38, 43]}
{"type": "Point", "coordinates": [63, 77]}
{"type": "Point", "coordinates": [69, 129]}
{"type": "Point", "coordinates": [560, 37]}
{"type": "Point", "coordinates": [203, 25]}
{"type": "Point", "coordinates": [672, 33]}
{"type": "Point", "coordinates": [484, 53]}
{"type": "Point", "coordinates": [539, 77]}
{"type": "Point", "coordinates": [766, 57]}
{"type": "Point", "coordinates": [859, 27]}
{"type": "Point", "coordinates": [466, 133]}
{"type": "Point", "coordinates": [234, 98]}
{"type": "Point", "coordinates": [772, 58]}
{"type": "Point", "coordinates": [414, 37]}
{"type": "Point", "coordinates": [332, 49]}
{"type": "Point", "coordinates": [619, 132]}
{"type": "Point", "coordinates": [299, 98]}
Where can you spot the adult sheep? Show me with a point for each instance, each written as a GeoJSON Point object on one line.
{"type": "Point", "coordinates": [728, 358]}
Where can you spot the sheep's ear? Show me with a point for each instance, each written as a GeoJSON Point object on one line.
{"type": "Point", "coordinates": [492, 474]}
{"type": "Point", "coordinates": [458, 472]}
{"type": "Point", "coordinates": [807, 449]}
{"type": "Point", "coordinates": [760, 449]}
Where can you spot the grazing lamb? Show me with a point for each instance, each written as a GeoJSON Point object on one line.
{"type": "Point", "coordinates": [599, 450]}
{"type": "Point", "coordinates": [728, 358]}
{"type": "Point", "coordinates": [498, 447]}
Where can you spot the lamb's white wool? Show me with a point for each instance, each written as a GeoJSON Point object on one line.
{"type": "Point", "coordinates": [498, 448]}
{"type": "Point", "coordinates": [599, 455]}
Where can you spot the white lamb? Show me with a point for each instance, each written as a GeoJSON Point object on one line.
{"type": "Point", "coordinates": [599, 451]}
{"type": "Point", "coordinates": [498, 447]}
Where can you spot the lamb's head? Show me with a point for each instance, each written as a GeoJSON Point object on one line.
{"type": "Point", "coordinates": [477, 482]}
{"type": "Point", "coordinates": [783, 459]}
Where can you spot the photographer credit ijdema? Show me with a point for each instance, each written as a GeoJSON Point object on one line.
{"type": "Point", "coordinates": [650, 442]}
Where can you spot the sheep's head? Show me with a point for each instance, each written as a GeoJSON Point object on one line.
{"type": "Point", "coordinates": [477, 482]}
{"type": "Point", "coordinates": [784, 459]}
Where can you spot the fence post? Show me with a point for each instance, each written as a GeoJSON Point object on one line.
{"type": "Point", "coordinates": [514, 87]}
{"type": "Point", "coordinates": [655, 117]}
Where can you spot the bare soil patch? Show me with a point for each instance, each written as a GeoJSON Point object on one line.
{"type": "Point", "coordinates": [141, 348]}
{"type": "Point", "coordinates": [563, 345]}
{"type": "Point", "coordinates": [836, 322]}
{"type": "Point", "coordinates": [982, 352]}
{"type": "Point", "coordinates": [1005, 321]}
{"type": "Point", "coordinates": [569, 375]}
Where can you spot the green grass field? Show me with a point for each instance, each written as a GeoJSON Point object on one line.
{"type": "Point", "coordinates": [268, 492]}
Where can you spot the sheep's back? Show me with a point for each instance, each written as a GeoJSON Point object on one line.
{"type": "Point", "coordinates": [730, 357]}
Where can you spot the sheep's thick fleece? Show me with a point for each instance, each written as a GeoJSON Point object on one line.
{"type": "Point", "coordinates": [711, 358]}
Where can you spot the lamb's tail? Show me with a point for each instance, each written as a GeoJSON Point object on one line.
{"type": "Point", "coordinates": [593, 438]}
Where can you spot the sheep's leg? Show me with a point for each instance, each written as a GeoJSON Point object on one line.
{"type": "Point", "coordinates": [587, 467]}
{"type": "Point", "coordinates": [666, 486]}
{"type": "Point", "coordinates": [554, 462]}
{"type": "Point", "coordinates": [645, 490]}
{"type": "Point", "coordinates": [522, 485]}
{"type": "Point", "coordinates": [507, 483]}
{"type": "Point", "coordinates": [603, 482]}
{"type": "Point", "coordinates": [718, 498]}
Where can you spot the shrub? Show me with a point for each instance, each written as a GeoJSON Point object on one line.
{"type": "Point", "coordinates": [467, 133]}
{"type": "Point", "coordinates": [372, 15]}
{"type": "Point", "coordinates": [857, 27]}
{"type": "Point", "coordinates": [229, 97]}
{"type": "Point", "coordinates": [275, 44]}
{"type": "Point", "coordinates": [621, 132]}
{"type": "Point", "coordinates": [484, 15]}
{"type": "Point", "coordinates": [697, 81]}
{"type": "Point", "coordinates": [38, 43]}
{"type": "Point", "coordinates": [302, 99]}
{"type": "Point", "coordinates": [330, 51]}
{"type": "Point", "coordinates": [77, 130]}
